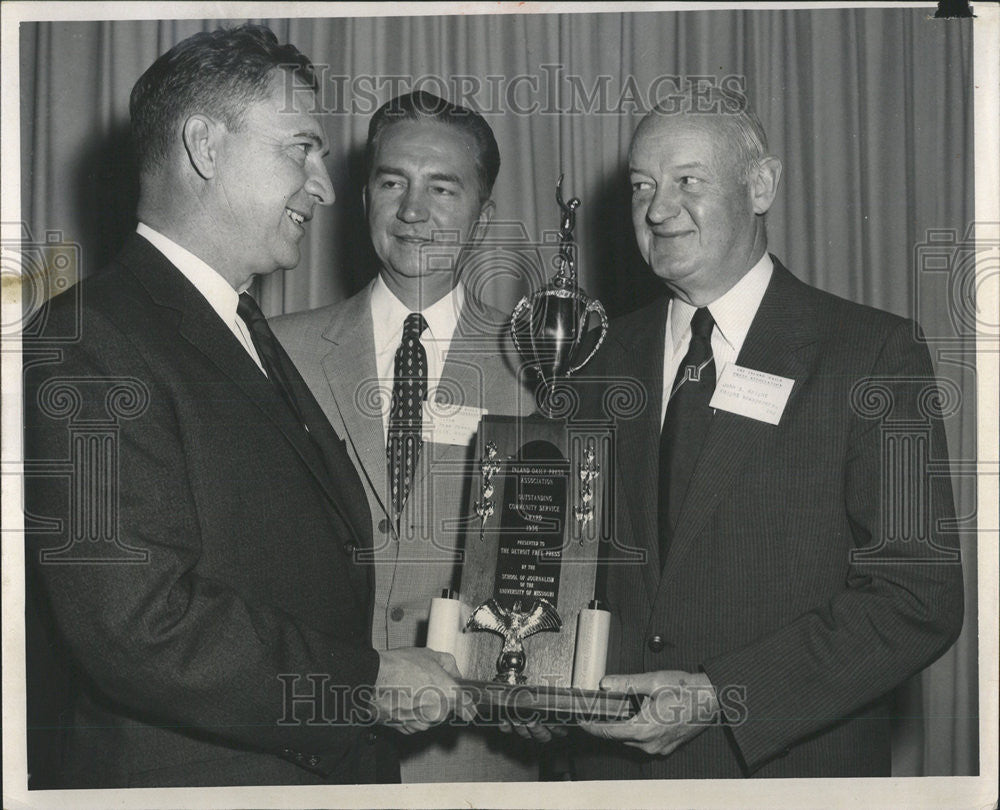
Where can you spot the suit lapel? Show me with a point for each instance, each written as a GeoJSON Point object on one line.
{"type": "Point", "coordinates": [638, 439]}
{"type": "Point", "coordinates": [201, 327]}
{"type": "Point", "coordinates": [349, 493]}
{"type": "Point", "coordinates": [349, 366]}
{"type": "Point", "coordinates": [782, 340]}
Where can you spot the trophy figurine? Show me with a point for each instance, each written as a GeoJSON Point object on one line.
{"type": "Point", "coordinates": [548, 326]}
{"type": "Point", "coordinates": [514, 626]}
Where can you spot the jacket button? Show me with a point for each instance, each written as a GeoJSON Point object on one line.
{"type": "Point", "coordinates": [397, 614]}
{"type": "Point", "coordinates": [350, 547]}
{"type": "Point", "coordinates": [371, 738]}
{"type": "Point", "coordinates": [383, 525]}
{"type": "Point", "coordinates": [656, 643]}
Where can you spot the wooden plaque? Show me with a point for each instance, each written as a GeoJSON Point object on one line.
{"type": "Point", "coordinates": [532, 545]}
{"type": "Point", "coordinates": [539, 541]}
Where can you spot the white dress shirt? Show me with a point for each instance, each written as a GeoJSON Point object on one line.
{"type": "Point", "coordinates": [733, 313]}
{"type": "Point", "coordinates": [217, 291]}
{"type": "Point", "coordinates": [388, 314]}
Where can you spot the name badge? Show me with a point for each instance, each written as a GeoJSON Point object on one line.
{"type": "Point", "coordinates": [755, 394]}
{"type": "Point", "coordinates": [444, 423]}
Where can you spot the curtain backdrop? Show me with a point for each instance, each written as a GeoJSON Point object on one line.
{"type": "Point", "coordinates": [870, 110]}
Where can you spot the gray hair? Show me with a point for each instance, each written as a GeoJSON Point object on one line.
{"type": "Point", "coordinates": [732, 111]}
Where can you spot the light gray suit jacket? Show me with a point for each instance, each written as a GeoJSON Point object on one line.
{"type": "Point", "coordinates": [333, 348]}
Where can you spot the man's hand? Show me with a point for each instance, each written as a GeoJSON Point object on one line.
{"type": "Point", "coordinates": [415, 689]}
{"type": "Point", "coordinates": [677, 707]}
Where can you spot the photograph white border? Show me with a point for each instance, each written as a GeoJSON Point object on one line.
{"type": "Point", "coordinates": [929, 792]}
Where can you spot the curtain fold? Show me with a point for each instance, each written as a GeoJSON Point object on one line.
{"type": "Point", "coordinates": [869, 109]}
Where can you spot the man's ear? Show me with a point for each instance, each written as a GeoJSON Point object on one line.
{"type": "Point", "coordinates": [764, 183]}
{"type": "Point", "coordinates": [364, 199]}
{"type": "Point", "coordinates": [485, 217]}
{"type": "Point", "coordinates": [200, 134]}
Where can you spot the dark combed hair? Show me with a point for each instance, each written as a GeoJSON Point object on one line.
{"type": "Point", "coordinates": [423, 106]}
{"type": "Point", "coordinates": [219, 73]}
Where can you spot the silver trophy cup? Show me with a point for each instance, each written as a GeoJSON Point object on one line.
{"type": "Point", "coordinates": [549, 326]}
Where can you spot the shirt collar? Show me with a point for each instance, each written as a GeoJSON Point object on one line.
{"type": "Point", "coordinates": [388, 314]}
{"type": "Point", "coordinates": [216, 290]}
{"type": "Point", "coordinates": [733, 311]}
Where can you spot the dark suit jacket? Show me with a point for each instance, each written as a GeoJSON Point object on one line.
{"type": "Point", "coordinates": [194, 547]}
{"type": "Point", "coordinates": [760, 589]}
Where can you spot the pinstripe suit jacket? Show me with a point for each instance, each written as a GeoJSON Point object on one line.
{"type": "Point", "coordinates": [334, 349]}
{"type": "Point", "coordinates": [760, 590]}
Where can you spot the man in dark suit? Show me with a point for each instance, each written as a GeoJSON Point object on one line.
{"type": "Point", "coordinates": [428, 197]}
{"type": "Point", "coordinates": [197, 557]}
{"type": "Point", "coordinates": [779, 565]}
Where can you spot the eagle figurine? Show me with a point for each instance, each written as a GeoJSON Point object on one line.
{"type": "Point", "coordinates": [514, 626]}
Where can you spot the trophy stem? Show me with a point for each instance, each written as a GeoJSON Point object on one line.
{"type": "Point", "coordinates": [548, 395]}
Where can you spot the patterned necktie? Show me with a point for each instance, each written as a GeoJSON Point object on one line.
{"type": "Point", "coordinates": [409, 388]}
{"type": "Point", "coordinates": [685, 425]}
{"type": "Point", "coordinates": [271, 356]}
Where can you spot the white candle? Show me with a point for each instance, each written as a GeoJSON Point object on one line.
{"type": "Point", "coordinates": [444, 623]}
{"type": "Point", "coordinates": [591, 658]}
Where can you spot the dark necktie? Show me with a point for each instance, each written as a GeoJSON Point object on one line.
{"type": "Point", "coordinates": [323, 451]}
{"type": "Point", "coordinates": [685, 425]}
{"type": "Point", "coordinates": [271, 356]}
{"type": "Point", "coordinates": [409, 388]}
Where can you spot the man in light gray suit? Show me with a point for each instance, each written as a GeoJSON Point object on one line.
{"type": "Point", "coordinates": [404, 370]}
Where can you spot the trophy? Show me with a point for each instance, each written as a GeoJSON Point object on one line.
{"type": "Point", "coordinates": [526, 629]}
{"type": "Point", "coordinates": [548, 327]}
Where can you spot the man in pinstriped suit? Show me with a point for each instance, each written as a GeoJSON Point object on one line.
{"type": "Point", "coordinates": [776, 608]}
